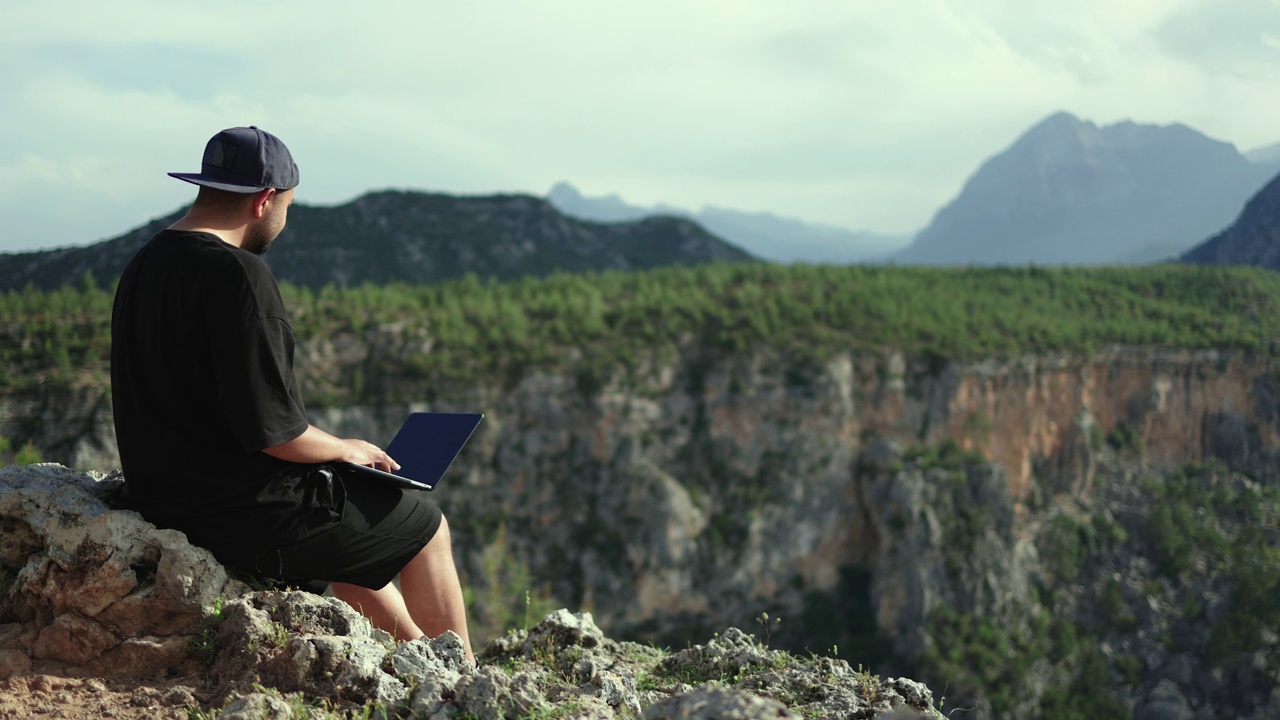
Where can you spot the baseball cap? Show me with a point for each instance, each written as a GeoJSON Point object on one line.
{"type": "Point", "coordinates": [244, 160]}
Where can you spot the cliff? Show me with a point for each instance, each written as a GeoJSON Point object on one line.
{"type": "Point", "coordinates": [92, 589]}
{"type": "Point", "coordinates": [707, 417]}
{"type": "Point", "coordinates": [904, 509]}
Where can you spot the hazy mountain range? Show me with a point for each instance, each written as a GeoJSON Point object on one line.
{"type": "Point", "coordinates": [415, 237]}
{"type": "Point", "coordinates": [1269, 155]}
{"type": "Point", "coordinates": [1071, 192]}
{"type": "Point", "coordinates": [1253, 239]}
{"type": "Point", "coordinates": [1065, 192]}
{"type": "Point", "coordinates": [765, 235]}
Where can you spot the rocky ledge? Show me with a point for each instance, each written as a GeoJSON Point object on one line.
{"type": "Point", "coordinates": [88, 589]}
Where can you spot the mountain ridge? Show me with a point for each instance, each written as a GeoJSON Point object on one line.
{"type": "Point", "coordinates": [1068, 191]}
{"type": "Point", "coordinates": [764, 234]}
{"type": "Point", "coordinates": [408, 236]}
{"type": "Point", "coordinates": [1253, 239]}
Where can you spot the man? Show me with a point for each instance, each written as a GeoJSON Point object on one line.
{"type": "Point", "coordinates": [213, 436]}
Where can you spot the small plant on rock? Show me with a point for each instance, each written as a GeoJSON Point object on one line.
{"type": "Point", "coordinates": [769, 625]}
{"type": "Point", "coordinates": [204, 646]}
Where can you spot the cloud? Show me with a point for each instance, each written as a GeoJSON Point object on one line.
{"type": "Point", "coordinates": [846, 111]}
{"type": "Point", "coordinates": [1233, 37]}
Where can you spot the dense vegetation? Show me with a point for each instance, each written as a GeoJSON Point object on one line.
{"type": "Point", "coordinates": [1199, 528]}
{"type": "Point", "coordinates": [473, 330]}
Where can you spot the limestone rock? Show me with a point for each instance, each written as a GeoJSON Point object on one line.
{"type": "Point", "coordinates": [97, 586]}
{"type": "Point", "coordinates": [714, 703]}
{"type": "Point", "coordinates": [434, 666]}
{"type": "Point", "coordinates": [256, 706]}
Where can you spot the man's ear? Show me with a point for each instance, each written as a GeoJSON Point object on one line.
{"type": "Point", "coordinates": [262, 201]}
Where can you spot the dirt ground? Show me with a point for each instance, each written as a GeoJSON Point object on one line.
{"type": "Point", "coordinates": [62, 698]}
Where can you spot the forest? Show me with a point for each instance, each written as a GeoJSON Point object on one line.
{"type": "Point", "coordinates": [484, 331]}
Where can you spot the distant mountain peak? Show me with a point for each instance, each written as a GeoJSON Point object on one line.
{"type": "Point", "coordinates": [763, 234]}
{"type": "Point", "coordinates": [1068, 191]}
{"type": "Point", "coordinates": [1268, 155]}
{"type": "Point", "coordinates": [1059, 121]}
{"type": "Point", "coordinates": [563, 192]}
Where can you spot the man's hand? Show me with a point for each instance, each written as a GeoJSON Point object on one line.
{"type": "Point", "coordinates": [360, 452]}
{"type": "Point", "coordinates": [317, 446]}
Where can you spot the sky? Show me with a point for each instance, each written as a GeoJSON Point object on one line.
{"type": "Point", "coordinates": [858, 113]}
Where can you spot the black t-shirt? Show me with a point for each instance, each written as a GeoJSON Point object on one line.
{"type": "Point", "coordinates": [202, 381]}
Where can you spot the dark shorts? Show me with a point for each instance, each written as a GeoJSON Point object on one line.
{"type": "Point", "coordinates": [372, 532]}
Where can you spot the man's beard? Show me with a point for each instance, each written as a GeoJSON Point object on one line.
{"type": "Point", "coordinates": [258, 237]}
{"type": "Point", "coordinates": [256, 242]}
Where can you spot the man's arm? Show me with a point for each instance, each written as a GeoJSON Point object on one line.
{"type": "Point", "coordinates": [316, 446]}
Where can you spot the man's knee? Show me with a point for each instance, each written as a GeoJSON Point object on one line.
{"type": "Point", "coordinates": [442, 539]}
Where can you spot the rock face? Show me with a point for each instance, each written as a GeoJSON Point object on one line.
{"type": "Point", "coordinates": [1070, 192]}
{"type": "Point", "coordinates": [1253, 239]}
{"type": "Point", "coordinates": [695, 493]}
{"type": "Point", "coordinates": [92, 587]}
{"type": "Point", "coordinates": [417, 238]}
{"type": "Point", "coordinates": [862, 499]}
{"type": "Point", "coordinates": [101, 592]}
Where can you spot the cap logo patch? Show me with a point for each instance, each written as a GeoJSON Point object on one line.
{"type": "Point", "coordinates": [220, 153]}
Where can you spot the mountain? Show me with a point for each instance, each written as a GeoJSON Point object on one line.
{"type": "Point", "coordinates": [416, 237]}
{"type": "Point", "coordinates": [1253, 239]}
{"type": "Point", "coordinates": [1269, 155]}
{"type": "Point", "coordinates": [1071, 192]}
{"type": "Point", "coordinates": [769, 236]}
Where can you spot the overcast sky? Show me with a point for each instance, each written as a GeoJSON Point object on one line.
{"type": "Point", "coordinates": [857, 113]}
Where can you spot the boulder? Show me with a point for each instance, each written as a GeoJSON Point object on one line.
{"type": "Point", "coordinates": [92, 585]}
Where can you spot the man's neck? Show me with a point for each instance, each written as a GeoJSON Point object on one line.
{"type": "Point", "coordinates": [192, 222]}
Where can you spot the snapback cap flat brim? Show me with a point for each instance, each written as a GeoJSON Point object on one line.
{"type": "Point", "coordinates": [200, 179]}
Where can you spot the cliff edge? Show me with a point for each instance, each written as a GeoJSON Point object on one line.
{"type": "Point", "coordinates": [93, 592]}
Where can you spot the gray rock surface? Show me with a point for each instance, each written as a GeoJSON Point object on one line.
{"type": "Point", "coordinates": [93, 586]}
{"type": "Point", "coordinates": [97, 590]}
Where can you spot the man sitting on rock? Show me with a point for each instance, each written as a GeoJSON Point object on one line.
{"type": "Point", "coordinates": [213, 436]}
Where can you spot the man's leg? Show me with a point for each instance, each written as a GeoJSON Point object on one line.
{"type": "Point", "coordinates": [432, 590]}
{"type": "Point", "coordinates": [430, 582]}
{"type": "Point", "coordinates": [385, 608]}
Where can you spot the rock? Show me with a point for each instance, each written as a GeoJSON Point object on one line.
{"type": "Point", "coordinates": [100, 591]}
{"type": "Point", "coordinates": [257, 706]}
{"type": "Point", "coordinates": [492, 693]}
{"type": "Point", "coordinates": [434, 667]}
{"type": "Point", "coordinates": [89, 577]}
{"type": "Point", "coordinates": [13, 662]}
{"type": "Point", "coordinates": [562, 628]}
{"type": "Point", "coordinates": [301, 642]}
{"type": "Point", "coordinates": [1180, 669]}
{"type": "Point", "coordinates": [880, 456]}
{"type": "Point", "coordinates": [910, 692]}
{"type": "Point", "coordinates": [73, 640]}
{"type": "Point", "coordinates": [716, 703]}
{"type": "Point", "coordinates": [147, 656]}
{"type": "Point", "coordinates": [615, 690]}
{"type": "Point", "coordinates": [729, 653]}
{"type": "Point", "coordinates": [1166, 702]}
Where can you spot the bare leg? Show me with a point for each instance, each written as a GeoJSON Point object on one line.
{"type": "Point", "coordinates": [430, 583]}
{"type": "Point", "coordinates": [385, 608]}
{"type": "Point", "coordinates": [433, 592]}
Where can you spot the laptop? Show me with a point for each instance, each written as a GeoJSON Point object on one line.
{"type": "Point", "coordinates": [425, 447]}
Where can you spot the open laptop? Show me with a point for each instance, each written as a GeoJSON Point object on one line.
{"type": "Point", "coordinates": [425, 447]}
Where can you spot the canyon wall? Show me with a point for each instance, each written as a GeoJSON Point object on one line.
{"type": "Point", "coordinates": [695, 493]}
